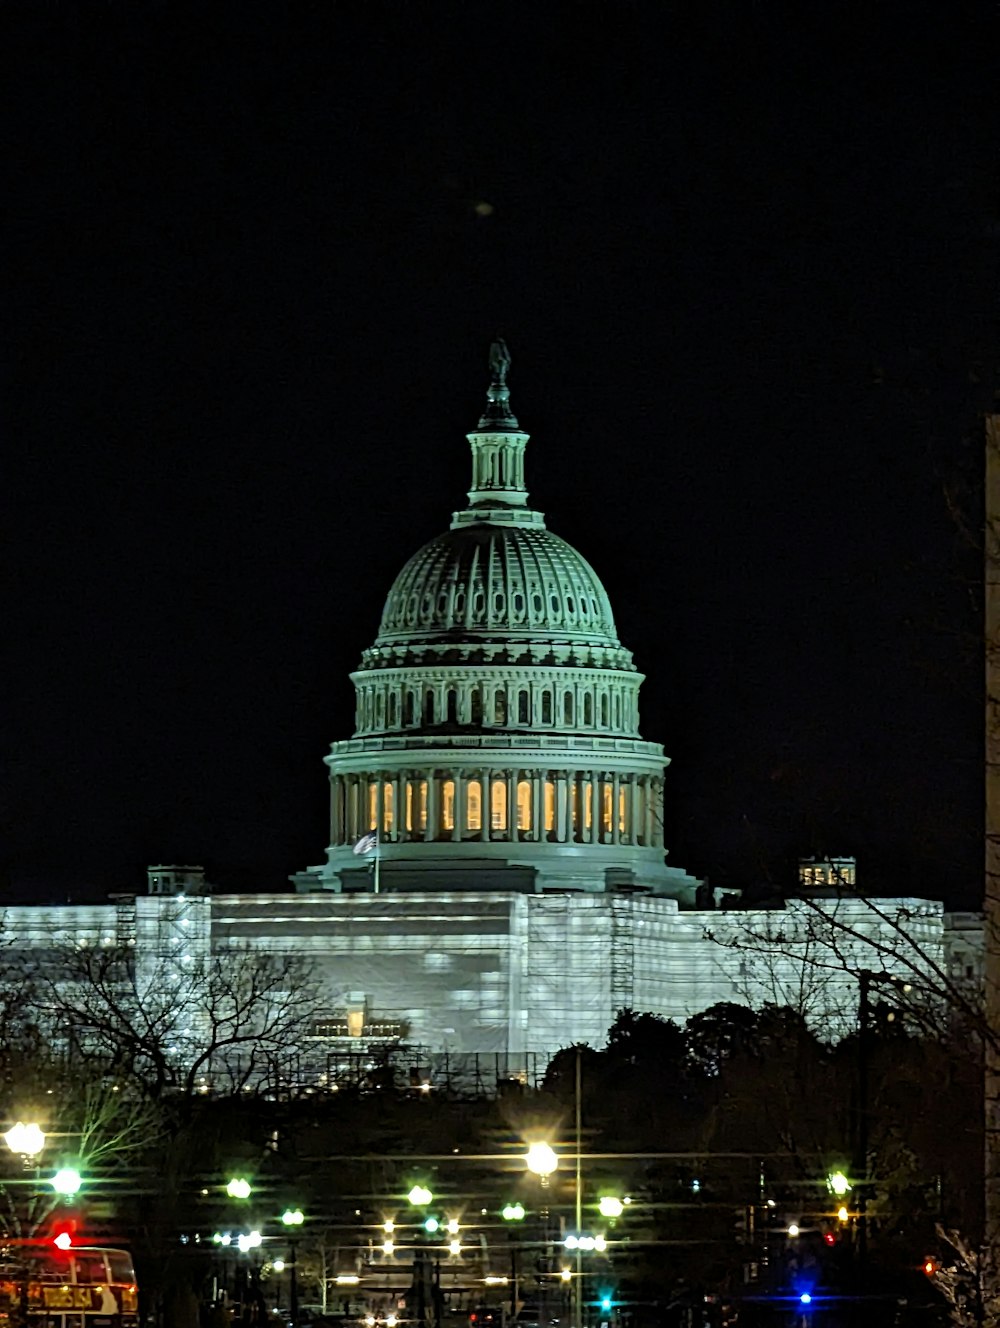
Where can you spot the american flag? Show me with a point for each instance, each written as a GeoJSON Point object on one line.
{"type": "Point", "coordinates": [367, 843]}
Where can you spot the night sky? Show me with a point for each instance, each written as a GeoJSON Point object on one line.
{"type": "Point", "coordinates": [254, 257]}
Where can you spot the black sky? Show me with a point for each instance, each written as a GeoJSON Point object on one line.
{"type": "Point", "coordinates": [747, 272]}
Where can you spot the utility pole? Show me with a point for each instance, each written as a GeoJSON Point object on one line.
{"type": "Point", "coordinates": [861, 1140]}
{"type": "Point", "coordinates": [991, 902]}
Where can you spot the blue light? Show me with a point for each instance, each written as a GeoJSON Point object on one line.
{"type": "Point", "coordinates": [805, 1298]}
{"type": "Point", "coordinates": [606, 1303]}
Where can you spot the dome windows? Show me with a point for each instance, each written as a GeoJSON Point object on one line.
{"type": "Point", "coordinates": [568, 708]}
{"type": "Point", "coordinates": [523, 707]}
{"type": "Point", "coordinates": [500, 707]}
{"type": "Point", "coordinates": [588, 710]}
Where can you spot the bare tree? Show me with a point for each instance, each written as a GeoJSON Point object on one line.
{"type": "Point", "coordinates": [222, 1023]}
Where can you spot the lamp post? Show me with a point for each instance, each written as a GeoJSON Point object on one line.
{"type": "Point", "coordinates": [542, 1160]}
{"type": "Point", "coordinates": [292, 1218]}
{"type": "Point", "coordinates": [26, 1142]}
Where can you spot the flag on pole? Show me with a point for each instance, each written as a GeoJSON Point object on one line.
{"type": "Point", "coordinates": [367, 844]}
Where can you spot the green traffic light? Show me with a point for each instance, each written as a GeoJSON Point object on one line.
{"type": "Point", "coordinates": [431, 1225]}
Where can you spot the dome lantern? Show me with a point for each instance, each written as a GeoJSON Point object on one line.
{"type": "Point", "coordinates": [498, 491]}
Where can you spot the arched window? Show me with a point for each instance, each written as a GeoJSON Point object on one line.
{"type": "Point", "coordinates": [408, 707]}
{"type": "Point", "coordinates": [550, 804]}
{"type": "Point", "coordinates": [546, 707]}
{"type": "Point", "coordinates": [621, 809]}
{"type": "Point", "coordinates": [477, 706]}
{"type": "Point", "coordinates": [607, 811]}
{"type": "Point", "coordinates": [604, 710]}
{"type": "Point", "coordinates": [474, 805]}
{"type": "Point", "coordinates": [522, 707]}
{"type": "Point", "coordinates": [387, 807]}
{"type": "Point", "coordinates": [588, 711]}
{"type": "Point", "coordinates": [416, 804]}
{"type": "Point", "coordinates": [372, 808]}
{"type": "Point", "coordinates": [448, 805]}
{"type": "Point", "coordinates": [392, 710]}
{"type": "Point", "coordinates": [452, 702]}
{"type": "Point", "coordinates": [523, 804]}
{"type": "Point", "coordinates": [588, 804]}
{"type": "Point", "coordinates": [429, 707]}
{"type": "Point", "coordinates": [568, 708]}
{"type": "Point", "coordinates": [500, 707]}
{"type": "Point", "coordinates": [380, 710]}
{"type": "Point", "coordinates": [498, 805]}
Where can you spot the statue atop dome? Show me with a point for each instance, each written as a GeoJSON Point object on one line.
{"type": "Point", "coordinates": [499, 363]}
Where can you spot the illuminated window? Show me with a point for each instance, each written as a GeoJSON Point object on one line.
{"type": "Point", "coordinates": [523, 805]}
{"type": "Point", "coordinates": [546, 707]}
{"type": "Point", "coordinates": [448, 805]}
{"type": "Point", "coordinates": [498, 805]}
{"type": "Point", "coordinates": [550, 804]}
{"type": "Point", "coordinates": [574, 805]}
{"type": "Point", "coordinates": [588, 804]}
{"type": "Point", "coordinates": [607, 811]}
{"type": "Point", "coordinates": [588, 711]}
{"type": "Point", "coordinates": [388, 794]}
{"type": "Point", "coordinates": [355, 1023]}
{"type": "Point", "coordinates": [568, 708]}
{"type": "Point", "coordinates": [522, 707]}
{"type": "Point", "coordinates": [422, 805]}
{"type": "Point", "coordinates": [621, 809]}
{"type": "Point", "coordinates": [500, 708]}
{"type": "Point", "coordinates": [474, 800]}
{"type": "Point", "coordinates": [372, 817]}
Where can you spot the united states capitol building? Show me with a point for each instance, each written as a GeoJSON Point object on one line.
{"type": "Point", "coordinates": [513, 890]}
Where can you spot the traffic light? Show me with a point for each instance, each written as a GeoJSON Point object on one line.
{"type": "Point", "coordinates": [930, 1265]}
{"type": "Point", "coordinates": [64, 1233]}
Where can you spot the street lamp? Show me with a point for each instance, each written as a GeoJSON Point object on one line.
{"type": "Point", "coordinates": [238, 1188]}
{"type": "Point", "coordinates": [541, 1159]}
{"type": "Point", "coordinates": [67, 1182]}
{"type": "Point", "coordinates": [838, 1184]}
{"type": "Point", "coordinates": [610, 1206]}
{"type": "Point", "coordinates": [293, 1218]}
{"type": "Point", "coordinates": [420, 1196]}
{"type": "Point", "coordinates": [25, 1140]}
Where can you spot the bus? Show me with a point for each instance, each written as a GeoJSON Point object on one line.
{"type": "Point", "coordinates": [88, 1286]}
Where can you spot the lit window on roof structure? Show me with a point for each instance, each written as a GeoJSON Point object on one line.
{"type": "Point", "coordinates": [448, 805]}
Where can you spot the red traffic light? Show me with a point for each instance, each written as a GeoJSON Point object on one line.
{"type": "Point", "coordinates": [830, 1238]}
{"type": "Point", "coordinates": [930, 1266]}
{"type": "Point", "coordinates": [63, 1234]}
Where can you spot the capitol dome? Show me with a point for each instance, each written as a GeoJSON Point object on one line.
{"type": "Point", "coordinates": [518, 583]}
{"type": "Point", "coordinates": [496, 741]}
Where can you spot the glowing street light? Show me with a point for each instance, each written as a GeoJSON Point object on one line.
{"type": "Point", "coordinates": [66, 1181]}
{"type": "Point", "coordinates": [293, 1217]}
{"type": "Point", "coordinates": [238, 1188]}
{"type": "Point", "coordinates": [388, 1246]}
{"type": "Point", "coordinates": [513, 1212]}
{"type": "Point", "coordinates": [455, 1246]}
{"type": "Point", "coordinates": [420, 1196]}
{"type": "Point", "coordinates": [388, 1226]}
{"type": "Point", "coordinates": [838, 1184]}
{"type": "Point", "coordinates": [453, 1227]}
{"type": "Point", "coordinates": [248, 1240]}
{"type": "Point", "coordinates": [541, 1159]}
{"type": "Point", "coordinates": [431, 1225]}
{"type": "Point", "coordinates": [610, 1206]}
{"type": "Point", "coordinates": [842, 1214]}
{"type": "Point", "coordinates": [25, 1140]}
{"type": "Point", "coordinates": [278, 1265]}
{"type": "Point", "coordinates": [793, 1228]}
